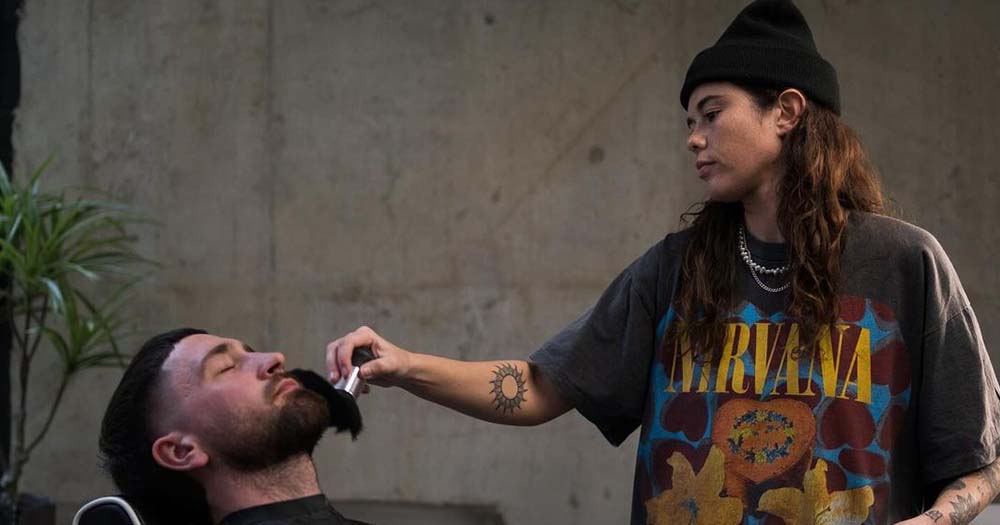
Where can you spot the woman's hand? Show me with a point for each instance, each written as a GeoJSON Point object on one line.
{"type": "Point", "coordinates": [389, 368]}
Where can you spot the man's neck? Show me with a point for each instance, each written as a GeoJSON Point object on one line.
{"type": "Point", "coordinates": [229, 490]}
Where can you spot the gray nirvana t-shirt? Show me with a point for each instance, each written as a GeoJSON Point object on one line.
{"type": "Point", "coordinates": [901, 393]}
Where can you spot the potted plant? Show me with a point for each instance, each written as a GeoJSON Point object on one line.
{"type": "Point", "coordinates": [69, 263]}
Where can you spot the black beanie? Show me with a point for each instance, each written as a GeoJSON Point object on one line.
{"type": "Point", "coordinates": [768, 44]}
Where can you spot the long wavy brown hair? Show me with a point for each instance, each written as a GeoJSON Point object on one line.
{"type": "Point", "coordinates": [827, 174]}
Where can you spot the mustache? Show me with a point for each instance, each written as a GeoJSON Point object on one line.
{"type": "Point", "coordinates": [272, 384]}
{"type": "Point", "coordinates": [344, 412]}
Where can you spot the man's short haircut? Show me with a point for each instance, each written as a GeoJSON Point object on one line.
{"type": "Point", "coordinates": [161, 495]}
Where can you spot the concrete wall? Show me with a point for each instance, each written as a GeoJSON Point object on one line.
{"type": "Point", "coordinates": [465, 176]}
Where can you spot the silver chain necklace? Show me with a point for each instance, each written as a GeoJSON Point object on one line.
{"type": "Point", "coordinates": [757, 268]}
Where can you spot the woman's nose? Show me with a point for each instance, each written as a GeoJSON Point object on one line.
{"type": "Point", "coordinates": [695, 142]}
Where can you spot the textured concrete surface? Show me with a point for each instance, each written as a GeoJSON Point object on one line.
{"type": "Point", "coordinates": [465, 176]}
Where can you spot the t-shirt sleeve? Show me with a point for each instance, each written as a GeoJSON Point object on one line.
{"type": "Point", "coordinates": [600, 362]}
{"type": "Point", "coordinates": [958, 417]}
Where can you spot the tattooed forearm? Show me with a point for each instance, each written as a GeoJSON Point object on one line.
{"type": "Point", "coordinates": [508, 388]}
{"type": "Point", "coordinates": [965, 509]}
{"type": "Point", "coordinates": [991, 475]}
{"type": "Point", "coordinates": [968, 495]}
{"type": "Point", "coordinates": [958, 484]}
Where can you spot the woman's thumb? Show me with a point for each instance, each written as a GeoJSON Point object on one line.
{"type": "Point", "coordinates": [373, 368]}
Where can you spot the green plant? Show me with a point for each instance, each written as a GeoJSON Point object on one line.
{"type": "Point", "coordinates": [60, 255]}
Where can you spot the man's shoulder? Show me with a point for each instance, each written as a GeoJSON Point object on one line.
{"type": "Point", "coordinates": [333, 518]}
{"type": "Point", "coordinates": [311, 510]}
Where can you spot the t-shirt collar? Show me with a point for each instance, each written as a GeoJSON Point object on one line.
{"type": "Point", "coordinates": [773, 252]}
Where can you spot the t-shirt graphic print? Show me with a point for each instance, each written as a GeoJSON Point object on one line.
{"type": "Point", "coordinates": [772, 434]}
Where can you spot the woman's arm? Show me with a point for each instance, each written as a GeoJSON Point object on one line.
{"type": "Point", "coordinates": [963, 499]}
{"type": "Point", "coordinates": [510, 392]}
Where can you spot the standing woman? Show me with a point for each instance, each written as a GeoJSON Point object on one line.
{"type": "Point", "coordinates": [793, 356]}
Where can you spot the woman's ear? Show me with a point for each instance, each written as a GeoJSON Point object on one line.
{"type": "Point", "coordinates": [177, 451]}
{"type": "Point", "coordinates": [791, 104]}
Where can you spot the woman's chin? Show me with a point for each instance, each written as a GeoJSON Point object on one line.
{"type": "Point", "coordinates": [723, 194]}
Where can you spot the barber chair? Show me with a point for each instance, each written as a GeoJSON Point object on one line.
{"type": "Point", "coordinates": [108, 510]}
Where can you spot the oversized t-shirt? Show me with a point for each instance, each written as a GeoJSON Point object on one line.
{"type": "Point", "coordinates": [900, 393]}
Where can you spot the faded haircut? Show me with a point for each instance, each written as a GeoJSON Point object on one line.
{"type": "Point", "coordinates": [161, 495]}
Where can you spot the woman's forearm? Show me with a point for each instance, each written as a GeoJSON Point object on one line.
{"type": "Point", "coordinates": [510, 392]}
{"type": "Point", "coordinates": [962, 500]}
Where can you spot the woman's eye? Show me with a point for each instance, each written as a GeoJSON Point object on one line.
{"type": "Point", "coordinates": [226, 369]}
{"type": "Point", "coordinates": [710, 116]}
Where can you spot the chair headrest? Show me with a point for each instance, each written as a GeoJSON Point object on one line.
{"type": "Point", "coordinates": [107, 510]}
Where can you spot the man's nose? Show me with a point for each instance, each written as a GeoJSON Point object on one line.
{"type": "Point", "coordinates": [273, 363]}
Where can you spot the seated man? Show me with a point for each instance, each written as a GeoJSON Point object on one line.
{"type": "Point", "coordinates": [202, 429]}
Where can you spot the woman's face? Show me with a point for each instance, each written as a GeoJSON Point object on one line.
{"type": "Point", "coordinates": [737, 146]}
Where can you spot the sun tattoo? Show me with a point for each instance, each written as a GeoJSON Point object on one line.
{"type": "Point", "coordinates": [507, 402]}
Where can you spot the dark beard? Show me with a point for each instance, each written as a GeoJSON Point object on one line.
{"type": "Point", "coordinates": [292, 430]}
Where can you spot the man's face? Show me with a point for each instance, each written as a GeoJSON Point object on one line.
{"type": "Point", "coordinates": [737, 146]}
{"type": "Point", "coordinates": [239, 404]}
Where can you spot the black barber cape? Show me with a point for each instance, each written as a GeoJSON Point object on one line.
{"type": "Point", "coordinates": [311, 510]}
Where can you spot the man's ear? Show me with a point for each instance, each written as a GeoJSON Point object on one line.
{"type": "Point", "coordinates": [791, 105]}
{"type": "Point", "coordinates": [177, 451]}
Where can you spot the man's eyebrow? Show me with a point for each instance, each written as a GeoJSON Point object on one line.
{"type": "Point", "coordinates": [220, 348]}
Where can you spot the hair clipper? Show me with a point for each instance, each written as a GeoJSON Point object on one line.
{"type": "Point", "coordinates": [342, 397]}
{"type": "Point", "coordinates": [352, 382]}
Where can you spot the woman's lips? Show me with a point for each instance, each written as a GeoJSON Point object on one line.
{"type": "Point", "coordinates": [704, 168]}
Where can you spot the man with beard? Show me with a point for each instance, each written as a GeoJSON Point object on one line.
{"type": "Point", "coordinates": [203, 429]}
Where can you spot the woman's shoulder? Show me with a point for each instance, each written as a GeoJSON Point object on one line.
{"type": "Point", "coordinates": [663, 251]}
{"type": "Point", "coordinates": [677, 239]}
{"type": "Point", "coordinates": [876, 230]}
{"type": "Point", "coordinates": [668, 252]}
{"type": "Point", "coordinates": [661, 260]}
